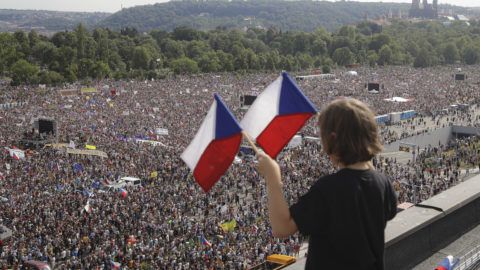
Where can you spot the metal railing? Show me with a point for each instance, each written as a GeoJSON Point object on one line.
{"type": "Point", "coordinates": [472, 258]}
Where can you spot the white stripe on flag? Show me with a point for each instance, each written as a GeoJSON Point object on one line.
{"type": "Point", "coordinates": [263, 109]}
{"type": "Point", "coordinates": [205, 134]}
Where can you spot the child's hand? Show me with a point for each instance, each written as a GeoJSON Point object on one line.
{"type": "Point", "coordinates": [269, 169]}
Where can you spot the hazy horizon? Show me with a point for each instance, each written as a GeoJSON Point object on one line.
{"type": "Point", "coordinates": [115, 5]}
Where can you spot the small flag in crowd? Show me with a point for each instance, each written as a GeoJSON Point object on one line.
{"type": "Point", "coordinates": [87, 207]}
{"type": "Point", "coordinates": [277, 114]}
{"type": "Point", "coordinates": [115, 265]}
{"type": "Point", "coordinates": [204, 241]}
{"type": "Point", "coordinates": [123, 193]}
{"type": "Point", "coordinates": [448, 263]}
{"type": "Point", "coordinates": [153, 174]}
{"type": "Point", "coordinates": [215, 145]}
{"type": "Point", "coordinates": [229, 226]}
{"type": "Point", "coordinates": [16, 153]}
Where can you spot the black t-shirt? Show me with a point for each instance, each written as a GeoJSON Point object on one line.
{"type": "Point", "coordinates": [344, 215]}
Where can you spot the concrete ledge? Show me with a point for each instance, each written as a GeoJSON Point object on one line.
{"type": "Point", "coordinates": [418, 232]}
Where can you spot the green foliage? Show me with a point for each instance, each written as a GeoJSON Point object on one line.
{"type": "Point", "coordinates": [102, 53]}
{"type": "Point", "coordinates": [184, 65]}
{"type": "Point", "coordinates": [23, 71]}
{"type": "Point", "coordinates": [471, 55]}
{"type": "Point", "coordinates": [209, 15]}
{"type": "Point", "coordinates": [343, 56]}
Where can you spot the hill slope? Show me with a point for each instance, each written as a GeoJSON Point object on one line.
{"type": "Point", "coordinates": [46, 21]}
{"type": "Point", "coordinates": [286, 15]}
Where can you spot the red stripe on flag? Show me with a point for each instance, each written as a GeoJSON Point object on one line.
{"type": "Point", "coordinates": [215, 160]}
{"type": "Point", "coordinates": [280, 131]}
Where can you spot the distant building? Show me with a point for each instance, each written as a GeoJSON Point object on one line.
{"type": "Point", "coordinates": [425, 10]}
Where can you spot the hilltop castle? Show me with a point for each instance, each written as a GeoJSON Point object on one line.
{"type": "Point", "coordinates": [425, 10]}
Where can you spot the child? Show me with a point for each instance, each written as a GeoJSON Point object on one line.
{"type": "Point", "coordinates": [345, 213]}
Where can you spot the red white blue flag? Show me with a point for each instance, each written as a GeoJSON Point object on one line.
{"type": "Point", "coordinates": [115, 265]}
{"type": "Point", "coordinates": [204, 241]}
{"type": "Point", "coordinates": [448, 263]}
{"type": "Point", "coordinates": [277, 114]}
{"type": "Point", "coordinates": [215, 145]}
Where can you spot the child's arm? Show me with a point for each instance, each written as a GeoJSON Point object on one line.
{"type": "Point", "coordinates": [281, 221]}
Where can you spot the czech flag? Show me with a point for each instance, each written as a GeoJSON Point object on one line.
{"type": "Point", "coordinates": [115, 265]}
{"type": "Point", "coordinates": [448, 263]}
{"type": "Point", "coordinates": [215, 145]}
{"type": "Point", "coordinates": [204, 241]}
{"type": "Point", "coordinates": [277, 114]}
{"type": "Point", "coordinates": [123, 193]}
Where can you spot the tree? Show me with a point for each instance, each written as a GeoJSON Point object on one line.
{"type": "Point", "coordinates": [423, 59]}
{"type": "Point", "coordinates": [378, 41]}
{"type": "Point", "coordinates": [385, 55]}
{"type": "Point", "coordinates": [226, 61]}
{"type": "Point", "coordinates": [184, 65]}
{"type": "Point", "coordinates": [471, 55]}
{"type": "Point", "coordinates": [185, 33]}
{"type": "Point", "coordinates": [450, 53]}
{"type": "Point", "coordinates": [319, 47]}
{"type": "Point", "coordinates": [325, 69]}
{"type": "Point", "coordinates": [342, 56]}
{"type": "Point", "coordinates": [209, 62]}
{"type": "Point", "coordinates": [50, 78]}
{"type": "Point", "coordinates": [141, 58]}
{"type": "Point", "coordinates": [100, 70]}
{"type": "Point", "coordinates": [85, 67]}
{"type": "Point", "coordinates": [23, 72]}
{"type": "Point", "coordinates": [372, 58]}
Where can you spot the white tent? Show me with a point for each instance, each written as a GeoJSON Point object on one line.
{"type": "Point", "coordinates": [352, 73]}
{"type": "Point", "coordinates": [397, 99]}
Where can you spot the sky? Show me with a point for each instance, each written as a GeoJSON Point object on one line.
{"type": "Point", "coordinates": [116, 5]}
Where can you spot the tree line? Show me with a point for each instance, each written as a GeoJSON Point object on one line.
{"type": "Point", "coordinates": [69, 56]}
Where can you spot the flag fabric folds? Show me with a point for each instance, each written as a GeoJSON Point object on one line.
{"type": "Point", "coordinates": [215, 145]}
{"type": "Point", "coordinates": [115, 265]}
{"type": "Point", "coordinates": [16, 153]}
{"type": "Point", "coordinates": [122, 192]}
{"type": "Point", "coordinates": [87, 207]}
{"type": "Point", "coordinates": [229, 226]}
{"type": "Point", "coordinates": [277, 114]}
{"type": "Point", "coordinates": [204, 241]}
{"type": "Point", "coordinates": [448, 263]}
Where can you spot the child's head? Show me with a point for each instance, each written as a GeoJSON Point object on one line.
{"type": "Point", "coordinates": [349, 131]}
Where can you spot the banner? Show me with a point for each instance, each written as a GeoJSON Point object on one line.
{"type": "Point", "coordinates": [161, 131]}
{"type": "Point", "coordinates": [88, 90]}
{"type": "Point", "coordinates": [90, 147]}
{"type": "Point", "coordinates": [154, 143]}
{"type": "Point", "coordinates": [97, 153]}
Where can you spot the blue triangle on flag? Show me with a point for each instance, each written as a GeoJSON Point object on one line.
{"type": "Point", "coordinates": [225, 123]}
{"type": "Point", "coordinates": [292, 100]}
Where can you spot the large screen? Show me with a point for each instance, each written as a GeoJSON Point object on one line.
{"type": "Point", "coordinates": [373, 86]}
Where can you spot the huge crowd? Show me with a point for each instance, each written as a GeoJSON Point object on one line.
{"type": "Point", "coordinates": [169, 222]}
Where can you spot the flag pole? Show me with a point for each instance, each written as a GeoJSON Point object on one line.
{"type": "Point", "coordinates": [252, 144]}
